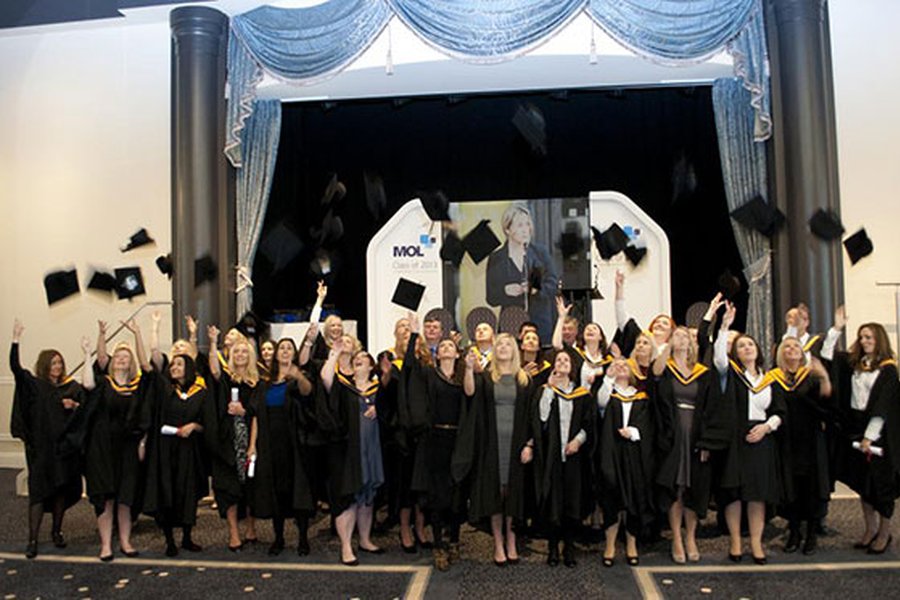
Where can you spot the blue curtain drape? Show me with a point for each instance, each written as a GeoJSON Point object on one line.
{"type": "Point", "coordinates": [261, 134]}
{"type": "Point", "coordinates": [744, 175]}
{"type": "Point", "coordinates": [305, 45]}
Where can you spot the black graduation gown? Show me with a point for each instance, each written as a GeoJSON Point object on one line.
{"type": "Point", "coordinates": [478, 454]}
{"type": "Point", "coordinates": [345, 455]}
{"type": "Point", "coordinates": [713, 422]}
{"type": "Point", "coordinates": [541, 373]}
{"type": "Point", "coordinates": [626, 337]}
{"type": "Point", "coordinates": [118, 417]}
{"type": "Point", "coordinates": [643, 382]}
{"type": "Point", "coordinates": [564, 488]}
{"type": "Point", "coordinates": [176, 466]}
{"type": "Point", "coordinates": [436, 445]}
{"type": "Point", "coordinates": [228, 461]}
{"type": "Point", "coordinates": [627, 467]}
{"type": "Point", "coordinates": [875, 479]}
{"type": "Point", "coordinates": [752, 472]}
{"type": "Point", "coordinates": [805, 453]}
{"type": "Point", "coordinates": [280, 486]}
{"type": "Point", "coordinates": [50, 434]}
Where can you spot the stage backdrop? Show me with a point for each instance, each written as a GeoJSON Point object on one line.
{"type": "Point", "coordinates": [408, 246]}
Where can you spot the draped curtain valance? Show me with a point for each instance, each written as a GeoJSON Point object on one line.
{"type": "Point", "coordinates": [304, 46]}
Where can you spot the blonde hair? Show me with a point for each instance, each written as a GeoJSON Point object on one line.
{"type": "Point", "coordinates": [691, 356]}
{"type": "Point", "coordinates": [522, 377]}
{"type": "Point", "coordinates": [134, 368]}
{"type": "Point", "coordinates": [329, 320]}
{"type": "Point", "coordinates": [654, 349]}
{"type": "Point", "coordinates": [515, 209]}
{"type": "Point", "coordinates": [779, 353]}
{"type": "Point", "coordinates": [251, 373]}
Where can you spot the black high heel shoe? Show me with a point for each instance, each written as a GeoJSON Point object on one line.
{"type": "Point", "coordinates": [409, 549]}
{"type": "Point", "coordinates": [420, 543]}
{"type": "Point", "coordinates": [735, 558]}
{"type": "Point", "coordinates": [31, 550]}
{"type": "Point", "coordinates": [633, 561]}
{"type": "Point", "coordinates": [58, 540]}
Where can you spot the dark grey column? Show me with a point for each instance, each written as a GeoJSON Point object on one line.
{"type": "Point", "coordinates": [804, 157]}
{"type": "Point", "coordinates": [202, 221]}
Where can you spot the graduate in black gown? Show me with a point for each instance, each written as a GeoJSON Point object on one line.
{"type": "Point", "coordinates": [232, 391]}
{"type": "Point", "coordinates": [438, 414]}
{"type": "Point", "coordinates": [806, 393]}
{"type": "Point", "coordinates": [532, 359]}
{"type": "Point", "coordinates": [176, 462]}
{"type": "Point", "coordinates": [281, 487]}
{"type": "Point", "coordinates": [493, 437]}
{"type": "Point", "coordinates": [641, 359]}
{"type": "Point", "coordinates": [45, 416]}
{"type": "Point", "coordinates": [752, 463]}
{"type": "Point", "coordinates": [692, 422]}
{"type": "Point", "coordinates": [868, 393]}
{"type": "Point", "coordinates": [590, 354]}
{"type": "Point", "coordinates": [661, 326]}
{"type": "Point", "coordinates": [563, 417]}
{"type": "Point", "coordinates": [627, 461]}
{"type": "Point", "coordinates": [266, 358]}
{"type": "Point", "coordinates": [357, 470]}
{"type": "Point", "coordinates": [119, 419]}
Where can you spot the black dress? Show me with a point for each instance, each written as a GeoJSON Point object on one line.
{"type": "Point", "coordinates": [478, 454]}
{"type": "Point", "coordinates": [119, 416]}
{"type": "Point", "coordinates": [564, 487]}
{"type": "Point", "coordinates": [710, 425]}
{"type": "Point", "coordinates": [50, 433]}
{"type": "Point", "coordinates": [227, 438]}
{"type": "Point", "coordinates": [875, 478]}
{"type": "Point", "coordinates": [626, 466]}
{"type": "Point", "coordinates": [752, 472]}
{"type": "Point", "coordinates": [280, 487]}
{"type": "Point", "coordinates": [805, 451]}
{"type": "Point", "coordinates": [176, 466]}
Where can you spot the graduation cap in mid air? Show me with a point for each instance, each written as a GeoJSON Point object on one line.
{"type": "Point", "coordinates": [759, 215]}
{"type": "Point", "coordinates": [610, 242]}
{"type": "Point", "coordinates": [529, 122]}
{"type": "Point", "coordinates": [102, 281]}
{"type": "Point", "coordinates": [376, 198]}
{"type": "Point", "coordinates": [408, 294]}
{"type": "Point", "coordinates": [825, 225]}
{"type": "Point", "coordinates": [635, 254]}
{"type": "Point", "coordinates": [141, 238]}
{"type": "Point", "coordinates": [335, 190]}
{"type": "Point", "coordinates": [332, 228]}
{"type": "Point", "coordinates": [480, 241]}
{"type": "Point", "coordinates": [165, 266]}
{"type": "Point", "coordinates": [129, 282]}
{"type": "Point", "coordinates": [858, 246]}
{"type": "Point", "coordinates": [728, 284]}
{"type": "Point", "coordinates": [252, 326]}
{"type": "Point", "coordinates": [281, 245]}
{"type": "Point", "coordinates": [452, 249]}
{"type": "Point", "coordinates": [204, 270]}
{"type": "Point", "coordinates": [436, 204]}
{"type": "Point", "coordinates": [60, 285]}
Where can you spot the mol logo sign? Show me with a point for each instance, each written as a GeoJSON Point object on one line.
{"type": "Point", "coordinates": [414, 250]}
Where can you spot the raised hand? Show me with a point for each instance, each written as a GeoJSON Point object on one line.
{"type": "Point", "coordinates": [130, 325]}
{"type": "Point", "coordinates": [18, 328]}
{"type": "Point", "coordinates": [714, 305]}
{"type": "Point", "coordinates": [561, 309]}
{"type": "Point", "coordinates": [321, 290]}
{"type": "Point", "coordinates": [102, 326]}
{"type": "Point", "coordinates": [191, 325]}
{"type": "Point", "coordinates": [338, 345]}
{"type": "Point", "coordinates": [311, 332]}
{"type": "Point", "coordinates": [85, 345]}
{"type": "Point", "coordinates": [728, 317]}
{"type": "Point", "coordinates": [156, 317]}
{"type": "Point", "coordinates": [212, 333]}
{"type": "Point", "coordinates": [840, 318]}
{"type": "Point", "coordinates": [471, 360]}
{"type": "Point", "coordinates": [413, 321]}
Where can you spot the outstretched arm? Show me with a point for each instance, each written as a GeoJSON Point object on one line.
{"type": "Point", "coordinates": [87, 372]}
{"type": "Point", "coordinates": [102, 356]}
{"type": "Point", "coordinates": [562, 311]}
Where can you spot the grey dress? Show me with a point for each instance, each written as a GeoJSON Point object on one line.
{"type": "Point", "coordinates": [505, 409]}
{"type": "Point", "coordinates": [685, 400]}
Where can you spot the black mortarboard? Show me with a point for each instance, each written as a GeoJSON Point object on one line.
{"type": "Point", "coordinates": [436, 204]}
{"type": "Point", "coordinates": [825, 225]}
{"type": "Point", "coordinates": [204, 270]}
{"type": "Point", "coordinates": [728, 284]}
{"type": "Point", "coordinates": [408, 294]}
{"type": "Point", "coordinates": [480, 242]}
{"type": "Point", "coordinates": [759, 215]}
{"type": "Point", "coordinates": [165, 266]}
{"type": "Point", "coordinates": [530, 123]}
{"type": "Point", "coordinates": [452, 249]}
{"type": "Point", "coordinates": [635, 254]}
{"type": "Point", "coordinates": [60, 284]}
{"type": "Point", "coordinates": [102, 282]}
{"type": "Point", "coordinates": [376, 198]}
{"type": "Point", "coordinates": [141, 238]}
{"type": "Point", "coordinates": [281, 245]}
{"type": "Point", "coordinates": [334, 190]}
{"type": "Point", "coordinates": [129, 282]}
{"type": "Point", "coordinates": [610, 242]}
{"type": "Point", "coordinates": [332, 228]}
{"type": "Point", "coordinates": [325, 265]}
{"type": "Point", "coordinates": [858, 246]}
{"type": "Point", "coordinates": [252, 326]}
{"type": "Point", "coordinates": [571, 240]}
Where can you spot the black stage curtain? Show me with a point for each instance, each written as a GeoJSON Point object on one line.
{"type": "Point", "coordinates": [658, 146]}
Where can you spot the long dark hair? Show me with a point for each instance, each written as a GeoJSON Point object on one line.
{"type": "Point", "coordinates": [760, 363]}
{"type": "Point", "coordinates": [276, 366]}
{"type": "Point", "coordinates": [883, 348]}
{"type": "Point", "coordinates": [42, 366]}
{"type": "Point", "coordinates": [190, 372]}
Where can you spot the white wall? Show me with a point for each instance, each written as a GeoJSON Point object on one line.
{"type": "Point", "coordinates": [865, 47]}
{"type": "Point", "coordinates": [84, 163]}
